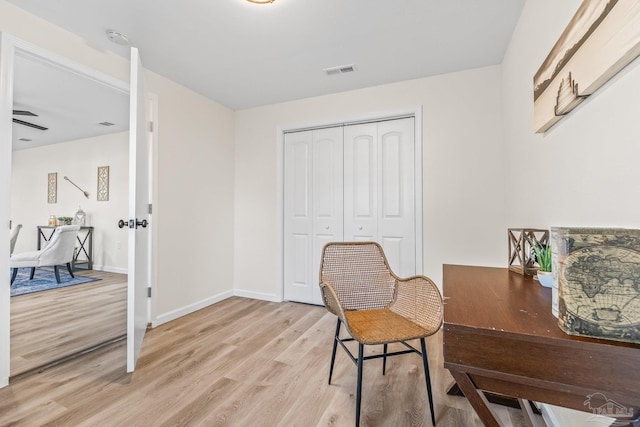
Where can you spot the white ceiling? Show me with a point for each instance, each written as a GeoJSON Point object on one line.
{"type": "Point", "coordinates": [70, 106]}
{"type": "Point", "coordinates": [244, 55]}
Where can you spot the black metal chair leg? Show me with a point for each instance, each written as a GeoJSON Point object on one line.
{"type": "Point", "coordinates": [14, 274]}
{"type": "Point", "coordinates": [384, 359]}
{"type": "Point", "coordinates": [359, 386]}
{"type": "Point", "coordinates": [427, 377]}
{"type": "Point", "coordinates": [69, 270]}
{"type": "Point", "coordinates": [33, 271]}
{"type": "Point", "coordinates": [335, 345]}
{"type": "Point", "coordinates": [57, 272]}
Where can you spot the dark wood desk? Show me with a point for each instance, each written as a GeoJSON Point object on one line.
{"type": "Point", "coordinates": [500, 336]}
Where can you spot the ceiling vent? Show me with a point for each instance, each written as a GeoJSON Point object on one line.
{"type": "Point", "coordinates": [339, 70]}
{"type": "Point", "coordinates": [106, 124]}
{"type": "Point", "coordinates": [23, 123]}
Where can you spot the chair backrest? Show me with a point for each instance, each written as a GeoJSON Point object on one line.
{"type": "Point", "coordinates": [13, 237]}
{"type": "Point", "coordinates": [359, 273]}
{"type": "Point", "coordinates": [59, 249]}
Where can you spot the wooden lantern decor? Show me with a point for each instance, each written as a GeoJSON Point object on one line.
{"type": "Point", "coordinates": [520, 251]}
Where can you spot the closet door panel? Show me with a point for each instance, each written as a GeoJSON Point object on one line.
{"type": "Point", "coordinates": [391, 175]}
{"type": "Point", "coordinates": [396, 222]}
{"type": "Point", "coordinates": [393, 250]}
{"type": "Point", "coordinates": [298, 219]}
{"type": "Point", "coordinates": [361, 182]}
{"type": "Point", "coordinates": [327, 197]}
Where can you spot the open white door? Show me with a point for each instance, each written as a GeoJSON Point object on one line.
{"type": "Point", "coordinates": [6, 104]}
{"type": "Point", "coordinates": [139, 233]}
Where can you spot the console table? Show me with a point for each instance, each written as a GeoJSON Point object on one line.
{"type": "Point", "coordinates": [500, 336]}
{"type": "Point", "coordinates": [83, 253]}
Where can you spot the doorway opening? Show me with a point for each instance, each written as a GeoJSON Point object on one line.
{"type": "Point", "coordinates": [86, 116]}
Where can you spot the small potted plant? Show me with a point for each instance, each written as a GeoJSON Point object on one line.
{"type": "Point", "coordinates": [64, 220]}
{"type": "Point", "coordinates": [543, 258]}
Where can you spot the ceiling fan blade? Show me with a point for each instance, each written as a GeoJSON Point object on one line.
{"type": "Point", "coordinates": [24, 113]}
{"type": "Point", "coordinates": [21, 122]}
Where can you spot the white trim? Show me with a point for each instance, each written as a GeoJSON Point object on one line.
{"type": "Point", "coordinates": [43, 56]}
{"type": "Point", "coordinates": [191, 308]}
{"type": "Point", "coordinates": [557, 416]}
{"type": "Point", "coordinates": [279, 288]}
{"type": "Point", "coordinates": [257, 295]}
{"type": "Point", "coordinates": [419, 218]}
{"type": "Point", "coordinates": [548, 416]}
{"type": "Point", "coordinates": [375, 119]}
{"type": "Point", "coordinates": [153, 217]}
{"type": "Point", "coordinates": [109, 269]}
{"type": "Point", "coordinates": [7, 54]}
{"type": "Point", "coordinates": [415, 112]}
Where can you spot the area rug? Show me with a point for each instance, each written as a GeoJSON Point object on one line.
{"type": "Point", "coordinates": [44, 279]}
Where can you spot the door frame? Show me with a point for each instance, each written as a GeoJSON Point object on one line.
{"type": "Point", "coordinates": [415, 112]}
{"type": "Point", "coordinates": [10, 46]}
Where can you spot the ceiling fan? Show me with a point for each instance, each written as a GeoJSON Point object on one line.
{"type": "Point", "coordinates": [22, 122]}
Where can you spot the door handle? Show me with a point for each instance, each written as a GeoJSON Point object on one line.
{"type": "Point", "coordinates": [133, 223]}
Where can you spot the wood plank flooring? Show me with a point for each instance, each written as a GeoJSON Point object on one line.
{"type": "Point", "coordinates": [50, 325]}
{"type": "Point", "coordinates": [240, 362]}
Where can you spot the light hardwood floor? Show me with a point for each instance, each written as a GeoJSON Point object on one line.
{"type": "Point", "coordinates": [240, 362]}
{"type": "Point", "coordinates": [50, 325]}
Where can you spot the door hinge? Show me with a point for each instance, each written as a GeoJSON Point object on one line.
{"type": "Point", "coordinates": [150, 126]}
{"type": "Point", "coordinates": [149, 292]}
{"type": "Point", "coordinates": [150, 208]}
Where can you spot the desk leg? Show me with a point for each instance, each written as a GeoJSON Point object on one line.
{"type": "Point", "coordinates": [476, 398]}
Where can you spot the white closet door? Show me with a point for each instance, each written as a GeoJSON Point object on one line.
{"type": "Point", "coordinates": [396, 215]}
{"type": "Point", "coordinates": [380, 189]}
{"type": "Point", "coordinates": [361, 182]}
{"type": "Point", "coordinates": [298, 224]}
{"type": "Point", "coordinates": [327, 197]}
{"type": "Point", "coordinates": [313, 207]}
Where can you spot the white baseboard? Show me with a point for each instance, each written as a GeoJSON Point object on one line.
{"type": "Point", "coordinates": [110, 269]}
{"type": "Point", "coordinates": [183, 311]}
{"type": "Point", "coordinates": [256, 295]}
{"type": "Point", "coordinates": [555, 416]}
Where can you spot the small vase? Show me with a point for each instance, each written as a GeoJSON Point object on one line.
{"type": "Point", "coordinates": [545, 278]}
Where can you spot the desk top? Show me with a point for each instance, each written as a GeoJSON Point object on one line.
{"type": "Point", "coordinates": [500, 336]}
{"type": "Point", "coordinates": [500, 300]}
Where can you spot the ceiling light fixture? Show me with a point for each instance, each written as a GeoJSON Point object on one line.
{"type": "Point", "coordinates": [261, 1]}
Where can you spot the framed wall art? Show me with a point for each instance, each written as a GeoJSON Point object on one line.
{"type": "Point", "coordinates": [601, 39]}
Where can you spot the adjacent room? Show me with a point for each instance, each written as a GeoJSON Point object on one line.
{"type": "Point", "coordinates": [67, 130]}
{"type": "Point", "coordinates": [321, 213]}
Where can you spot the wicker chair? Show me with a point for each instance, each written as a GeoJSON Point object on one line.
{"type": "Point", "coordinates": [376, 306]}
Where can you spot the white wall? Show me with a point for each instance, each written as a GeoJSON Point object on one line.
{"type": "Point", "coordinates": [193, 209]}
{"type": "Point", "coordinates": [583, 171]}
{"type": "Point", "coordinates": [585, 168]}
{"type": "Point", "coordinates": [463, 163]}
{"type": "Point", "coordinates": [78, 160]}
{"type": "Point", "coordinates": [193, 194]}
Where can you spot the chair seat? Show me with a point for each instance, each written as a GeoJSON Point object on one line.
{"type": "Point", "coordinates": [25, 259]}
{"type": "Point", "coordinates": [381, 326]}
